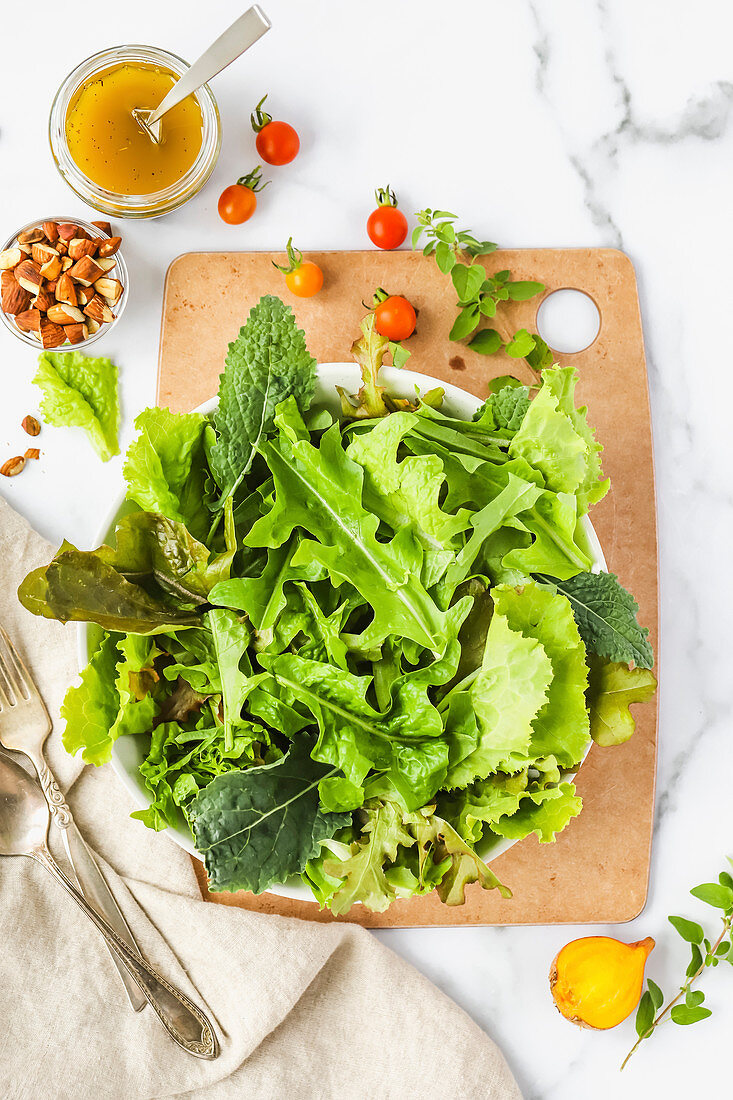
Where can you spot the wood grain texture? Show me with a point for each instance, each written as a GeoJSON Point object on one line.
{"type": "Point", "coordinates": [598, 869]}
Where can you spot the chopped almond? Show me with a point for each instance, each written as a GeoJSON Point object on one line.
{"type": "Point", "coordinates": [30, 236]}
{"type": "Point", "coordinates": [52, 336]}
{"type": "Point", "coordinates": [75, 334]}
{"type": "Point", "coordinates": [66, 290]}
{"type": "Point", "coordinates": [29, 320]}
{"type": "Point", "coordinates": [79, 247]}
{"type": "Point", "coordinates": [42, 253]}
{"type": "Point", "coordinates": [30, 425]}
{"type": "Point", "coordinates": [92, 326]}
{"type": "Point", "coordinates": [29, 276]}
{"type": "Point", "coordinates": [109, 288]}
{"type": "Point", "coordinates": [62, 247]}
{"type": "Point", "coordinates": [104, 226]}
{"type": "Point", "coordinates": [32, 452]}
{"type": "Point", "coordinates": [52, 269]}
{"type": "Point", "coordinates": [67, 230]}
{"type": "Point", "coordinates": [15, 299]}
{"type": "Point", "coordinates": [44, 298]}
{"type": "Point", "coordinates": [62, 314]}
{"type": "Point", "coordinates": [66, 263]}
{"type": "Point", "coordinates": [84, 294]}
{"type": "Point", "coordinates": [86, 271]}
{"type": "Point", "coordinates": [108, 248]}
{"type": "Point", "coordinates": [10, 258]}
{"type": "Point", "coordinates": [98, 310]}
{"type": "Point", "coordinates": [52, 232]}
{"type": "Point", "coordinates": [107, 263]}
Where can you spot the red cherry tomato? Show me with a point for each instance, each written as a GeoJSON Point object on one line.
{"type": "Point", "coordinates": [386, 226]}
{"type": "Point", "coordinates": [238, 202]}
{"type": "Point", "coordinates": [277, 142]}
{"type": "Point", "coordinates": [302, 277]}
{"type": "Point", "coordinates": [395, 318]}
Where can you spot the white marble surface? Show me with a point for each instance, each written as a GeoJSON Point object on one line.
{"type": "Point", "coordinates": [554, 122]}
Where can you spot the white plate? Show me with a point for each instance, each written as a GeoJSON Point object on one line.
{"type": "Point", "coordinates": [128, 752]}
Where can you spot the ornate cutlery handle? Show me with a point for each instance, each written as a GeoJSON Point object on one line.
{"type": "Point", "coordinates": [185, 1023]}
{"type": "Point", "coordinates": [54, 797]}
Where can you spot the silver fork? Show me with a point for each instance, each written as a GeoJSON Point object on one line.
{"type": "Point", "coordinates": [24, 727]}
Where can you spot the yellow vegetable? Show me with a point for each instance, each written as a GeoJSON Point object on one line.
{"type": "Point", "coordinates": [597, 981]}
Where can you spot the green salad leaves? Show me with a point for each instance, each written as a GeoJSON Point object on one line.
{"type": "Point", "coordinates": [363, 652]}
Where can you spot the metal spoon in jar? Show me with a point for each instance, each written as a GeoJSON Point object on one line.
{"type": "Point", "coordinates": [242, 34]}
{"type": "Point", "coordinates": [24, 821]}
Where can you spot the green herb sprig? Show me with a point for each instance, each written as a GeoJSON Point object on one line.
{"type": "Point", "coordinates": [687, 1006]}
{"type": "Point", "coordinates": [479, 295]}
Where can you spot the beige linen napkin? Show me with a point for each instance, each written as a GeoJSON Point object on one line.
{"type": "Point", "coordinates": [306, 1010]}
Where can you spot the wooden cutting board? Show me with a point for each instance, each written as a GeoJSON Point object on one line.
{"type": "Point", "coordinates": [598, 869]}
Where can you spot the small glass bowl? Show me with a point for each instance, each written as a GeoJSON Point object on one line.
{"type": "Point", "coordinates": [118, 272]}
{"type": "Point", "coordinates": [133, 206]}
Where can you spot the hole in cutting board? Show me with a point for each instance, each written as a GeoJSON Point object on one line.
{"type": "Point", "coordinates": [568, 320]}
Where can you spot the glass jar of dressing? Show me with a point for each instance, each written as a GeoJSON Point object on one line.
{"type": "Point", "coordinates": [104, 155]}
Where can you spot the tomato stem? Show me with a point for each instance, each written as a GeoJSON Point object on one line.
{"type": "Point", "coordinates": [385, 196]}
{"type": "Point", "coordinates": [295, 258]}
{"type": "Point", "coordinates": [260, 118]}
{"type": "Point", "coordinates": [253, 180]}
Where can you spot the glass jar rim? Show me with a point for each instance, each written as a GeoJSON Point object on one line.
{"type": "Point", "coordinates": [112, 202]}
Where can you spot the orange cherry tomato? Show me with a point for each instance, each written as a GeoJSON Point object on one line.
{"type": "Point", "coordinates": [386, 226]}
{"type": "Point", "coordinates": [277, 142]}
{"type": "Point", "coordinates": [395, 318]}
{"type": "Point", "coordinates": [238, 202]}
{"type": "Point", "coordinates": [302, 277]}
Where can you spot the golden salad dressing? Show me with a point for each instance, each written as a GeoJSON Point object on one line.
{"type": "Point", "coordinates": [109, 147]}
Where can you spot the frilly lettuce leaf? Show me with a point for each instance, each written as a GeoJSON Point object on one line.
{"type": "Point", "coordinates": [81, 392]}
{"type": "Point", "coordinates": [507, 693]}
{"type": "Point", "coordinates": [561, 727]}
{"type": "Point", "coordinates": [165, 467]}
{"type": "Point", "coordinates": [90, 709]}
{"type": "Point", "coordinates": [545, 812]}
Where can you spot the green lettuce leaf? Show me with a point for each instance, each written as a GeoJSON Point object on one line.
{"type": "Point", "coordinates": [260, 826]}
{"type": "Point", "coordinates": [612, 688]}
{"type": "Point", "coordinates": [136, 681]}
{"type": "Point", "coordinates": [81, 392]}
{"type": "Point", "coordinates": [268, 362]}
{"type": "Point", "coordinates": [165, 467]}
{"type": "Point", "coordinates": [507, 693]}
{"type": "Point", "coordinates": [606, 616]}
{"type": "Point", "coordinates": [555, 438]}
{"type": "Point", "coordinates": [90, 709]}
{"type": "Point", "coordinates": [561, 727]}
{"type": "Point", "coordinates": [545, 812]}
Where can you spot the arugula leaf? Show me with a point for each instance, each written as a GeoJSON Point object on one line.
{"type": "Point", "coordinates": [612, 688]}
{"type": "Point", "coordinates": [81, 392]}
{"type": "Point", "coordinates": [165, 467]}
{"type": "Point", "coordinates": [319, 489]}
{"type": "Point", "coordinates": [231, 637]}
{"type": "Point", "coordinates": [606, 616]}
{"type": "Point", "coordinates": [260, 826]}
{"type": "Point", "coordinates": [553, 523]}
{"type": "Point", "coordinates": [263, 597]}
{"type": "Point", "coordinates": [268, 362]}
{"type": "Point", "coordinates": [91, 708]}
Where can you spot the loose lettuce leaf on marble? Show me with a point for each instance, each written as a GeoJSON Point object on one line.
{"type": "Point", "coordinates": [606, 616]}
{"type": "Point", "coordinates": [81, 392]}
{"type": "Point", "coordinates": [267, 363]}
{"type": "Point", "coordinates": [165, 467]}
{"type": "Point", "coordinates": [90, 708]}
{"type": "Point", "coordinates": [260, 826]}
{"type": "Point", "coordinates": [612, 688]}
